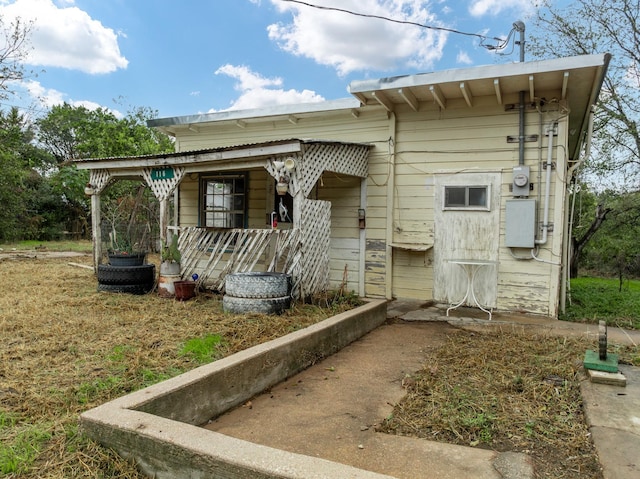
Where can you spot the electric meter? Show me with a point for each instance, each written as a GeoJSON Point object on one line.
{"type": "Point", "coordinates": [520, 179]}
{"type": "Point", "coordinates": [520, 186]}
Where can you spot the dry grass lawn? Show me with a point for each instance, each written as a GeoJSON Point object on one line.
{"type": "Point", "coordinates": [504, 391]}
{"type": "Point", "coordinates": [66, 348]}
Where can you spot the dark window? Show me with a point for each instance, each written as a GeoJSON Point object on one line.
{"type": "Point", "coordinates": [223, 201]}
{"type": "Point", "coordinates": [466, 197]}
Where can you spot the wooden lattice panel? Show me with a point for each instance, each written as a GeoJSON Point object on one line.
{"type": "Point", "coordinates": [99, 179]}
{"type": "Point", "coordinates": [163, 187]}
{"type": "Point", "coordinates": [312, 168]}
{"type": "Point", "coordinates": [212, 254]}
{"type": "Point", "coordinates": [315, 230]}
{"type": "Point", "coordinates": [351, 160]}
{"type": "Point", "coordinates": [275, 167]}
{"type": "Point", "coordinates": [348, 159]}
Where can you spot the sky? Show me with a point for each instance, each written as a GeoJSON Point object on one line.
{"type": "Point", "coordinates": [199, 56]}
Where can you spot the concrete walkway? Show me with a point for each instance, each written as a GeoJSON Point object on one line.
{"type": "Point", "coordinates": [331, 410]}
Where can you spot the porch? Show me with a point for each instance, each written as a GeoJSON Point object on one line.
{"type": "Point", "coordinates": [219, 231]}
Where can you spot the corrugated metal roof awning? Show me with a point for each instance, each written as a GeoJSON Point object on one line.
{"type": "Point", "coordinates": [208, 155]}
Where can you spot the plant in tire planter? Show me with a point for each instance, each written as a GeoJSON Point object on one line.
{"type": "Point", "coordinates": [122, 253]}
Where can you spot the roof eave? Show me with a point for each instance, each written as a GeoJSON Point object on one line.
{"type": "Point", "coordinates": [593, 99]}
{"type": "Point", "coordinates": [264, 113]}
{"type": "Point", "coordinates": [478, 73]}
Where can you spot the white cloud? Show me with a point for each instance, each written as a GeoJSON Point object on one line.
{"type": "Point", "coordinates": [479, 8]}
{"type": "Point", "coordinates": [257, 91]}
{"type": "Point", "coordinates": [67, 37]}
{"type": "Point", "coordinates": [49, 97]}
{"type": "Point", "coordinates": [351, 43]}
{"type": "Point", "coordinates": [464, 58]}
{"type": "Point", "coordinates": [247, 80]}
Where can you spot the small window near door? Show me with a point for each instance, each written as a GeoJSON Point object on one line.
{"type": "Point", "coordinates": [223, 201]}
{"type": "Point", "coordinates": [466, 198]}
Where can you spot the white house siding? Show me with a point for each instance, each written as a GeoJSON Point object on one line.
{"type": "Point", "coordinates": [529, 285]}
{"type": "Point", "coordinates": [411, 148]}
{"type": "Point", "coordinates": [344, 254]}
{"type": "Point", "coordinates": [188, 201]}
{"type": "Point", "coordinates": [463, 141]}
{"type": "Point", "coordinates": [420, 284]}
{"type": "Point", "coordinates": [342, 191]}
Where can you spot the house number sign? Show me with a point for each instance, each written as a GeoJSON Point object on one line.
{"type": "Point", "coordinates": [165, 173]}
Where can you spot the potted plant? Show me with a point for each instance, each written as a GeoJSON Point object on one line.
{"type": "Point", "coordinates": [170, 256]}
{"type": "Point", "coordinates": [169, 268]}
{"type": "Point", "coordinates": [123, 253]}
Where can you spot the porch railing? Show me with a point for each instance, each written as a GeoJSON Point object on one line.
{"type": "Point", "coordinates": [214, 253]}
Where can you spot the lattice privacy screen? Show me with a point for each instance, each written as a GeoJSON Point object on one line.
{"type": "Point", "coordinates": [314, 246]}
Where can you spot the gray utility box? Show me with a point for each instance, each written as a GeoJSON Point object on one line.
{"type": "Point", "coordinates": [520, 223]}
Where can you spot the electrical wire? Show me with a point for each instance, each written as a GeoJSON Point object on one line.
{"type": "Point", "coordinates": [502, 42]}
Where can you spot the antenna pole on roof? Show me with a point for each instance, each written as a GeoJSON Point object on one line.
{"type": "Point", "coordinates": [519, 27]}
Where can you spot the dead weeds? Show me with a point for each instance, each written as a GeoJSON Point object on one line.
{"type": "Point", "coordinates": [505, 391]}
{"type": "Point", "coordinates": [67, 348]}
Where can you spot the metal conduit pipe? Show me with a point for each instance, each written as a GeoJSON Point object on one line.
{"type": "Point", "coordinates": [521, 129]}
{"type": "Point", "coordinates": [520, 27]}
{"type": "Point", "coordinates": [547, 187]}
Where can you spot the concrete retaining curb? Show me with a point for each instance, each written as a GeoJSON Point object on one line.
{"type": "Point", "coordinates": [159, 425]}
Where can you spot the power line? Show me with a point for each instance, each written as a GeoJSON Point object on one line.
{"type": "Point", "coordinates": [483, 38]}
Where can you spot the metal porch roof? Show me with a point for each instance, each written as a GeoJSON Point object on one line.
{"type": "Point", "coordinates": [221, 154]}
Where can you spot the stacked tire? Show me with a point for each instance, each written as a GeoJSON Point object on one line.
{"type": "Point", "coordinates": [138, 279]}
{"type": "Point", "coordinates": [257, 292]}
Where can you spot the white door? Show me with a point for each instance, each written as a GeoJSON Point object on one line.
{"type": "Point", "coordinates": [467, 227]}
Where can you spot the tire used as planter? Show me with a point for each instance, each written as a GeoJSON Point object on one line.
{"type": "Point", "coordinates": [133, 259]}
{"type": "Point", "coordinates": [109, 274]}
{"type": "Point", "coordinates": [127, 288]}
{"type": "Point", "coordinates": [232, 304]}
{"type": "Point", "coordinates": [258, 285]}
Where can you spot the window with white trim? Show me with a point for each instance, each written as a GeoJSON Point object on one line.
{"type": "Point", "coordinates": [466, 198]}
{"type": "Point", "coordinates": [223, 201]}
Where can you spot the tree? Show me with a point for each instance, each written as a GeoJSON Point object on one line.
{"type": "Point", "coordinates": [587, 27]}
{"type": "Point", "coordinates": [71, 132]}
{"type": "Point", "coordinates": [592, 26]}
{"type": "Point", "coordinates": [22, 164]}
{"type": "Point", "coordinates": [13, 53]}
{"type": "Point", "coordinates": [614, 248]}
{"type": "Point", "coordinates": [585, 224]}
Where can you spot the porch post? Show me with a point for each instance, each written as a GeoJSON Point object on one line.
{"type": "Point", "coordinates": [164, 219]}
{"type": "Point", "coordinates": [96, 231]}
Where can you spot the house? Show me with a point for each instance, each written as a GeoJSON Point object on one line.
{"type": "Point", "coordinates": [450, 186]}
